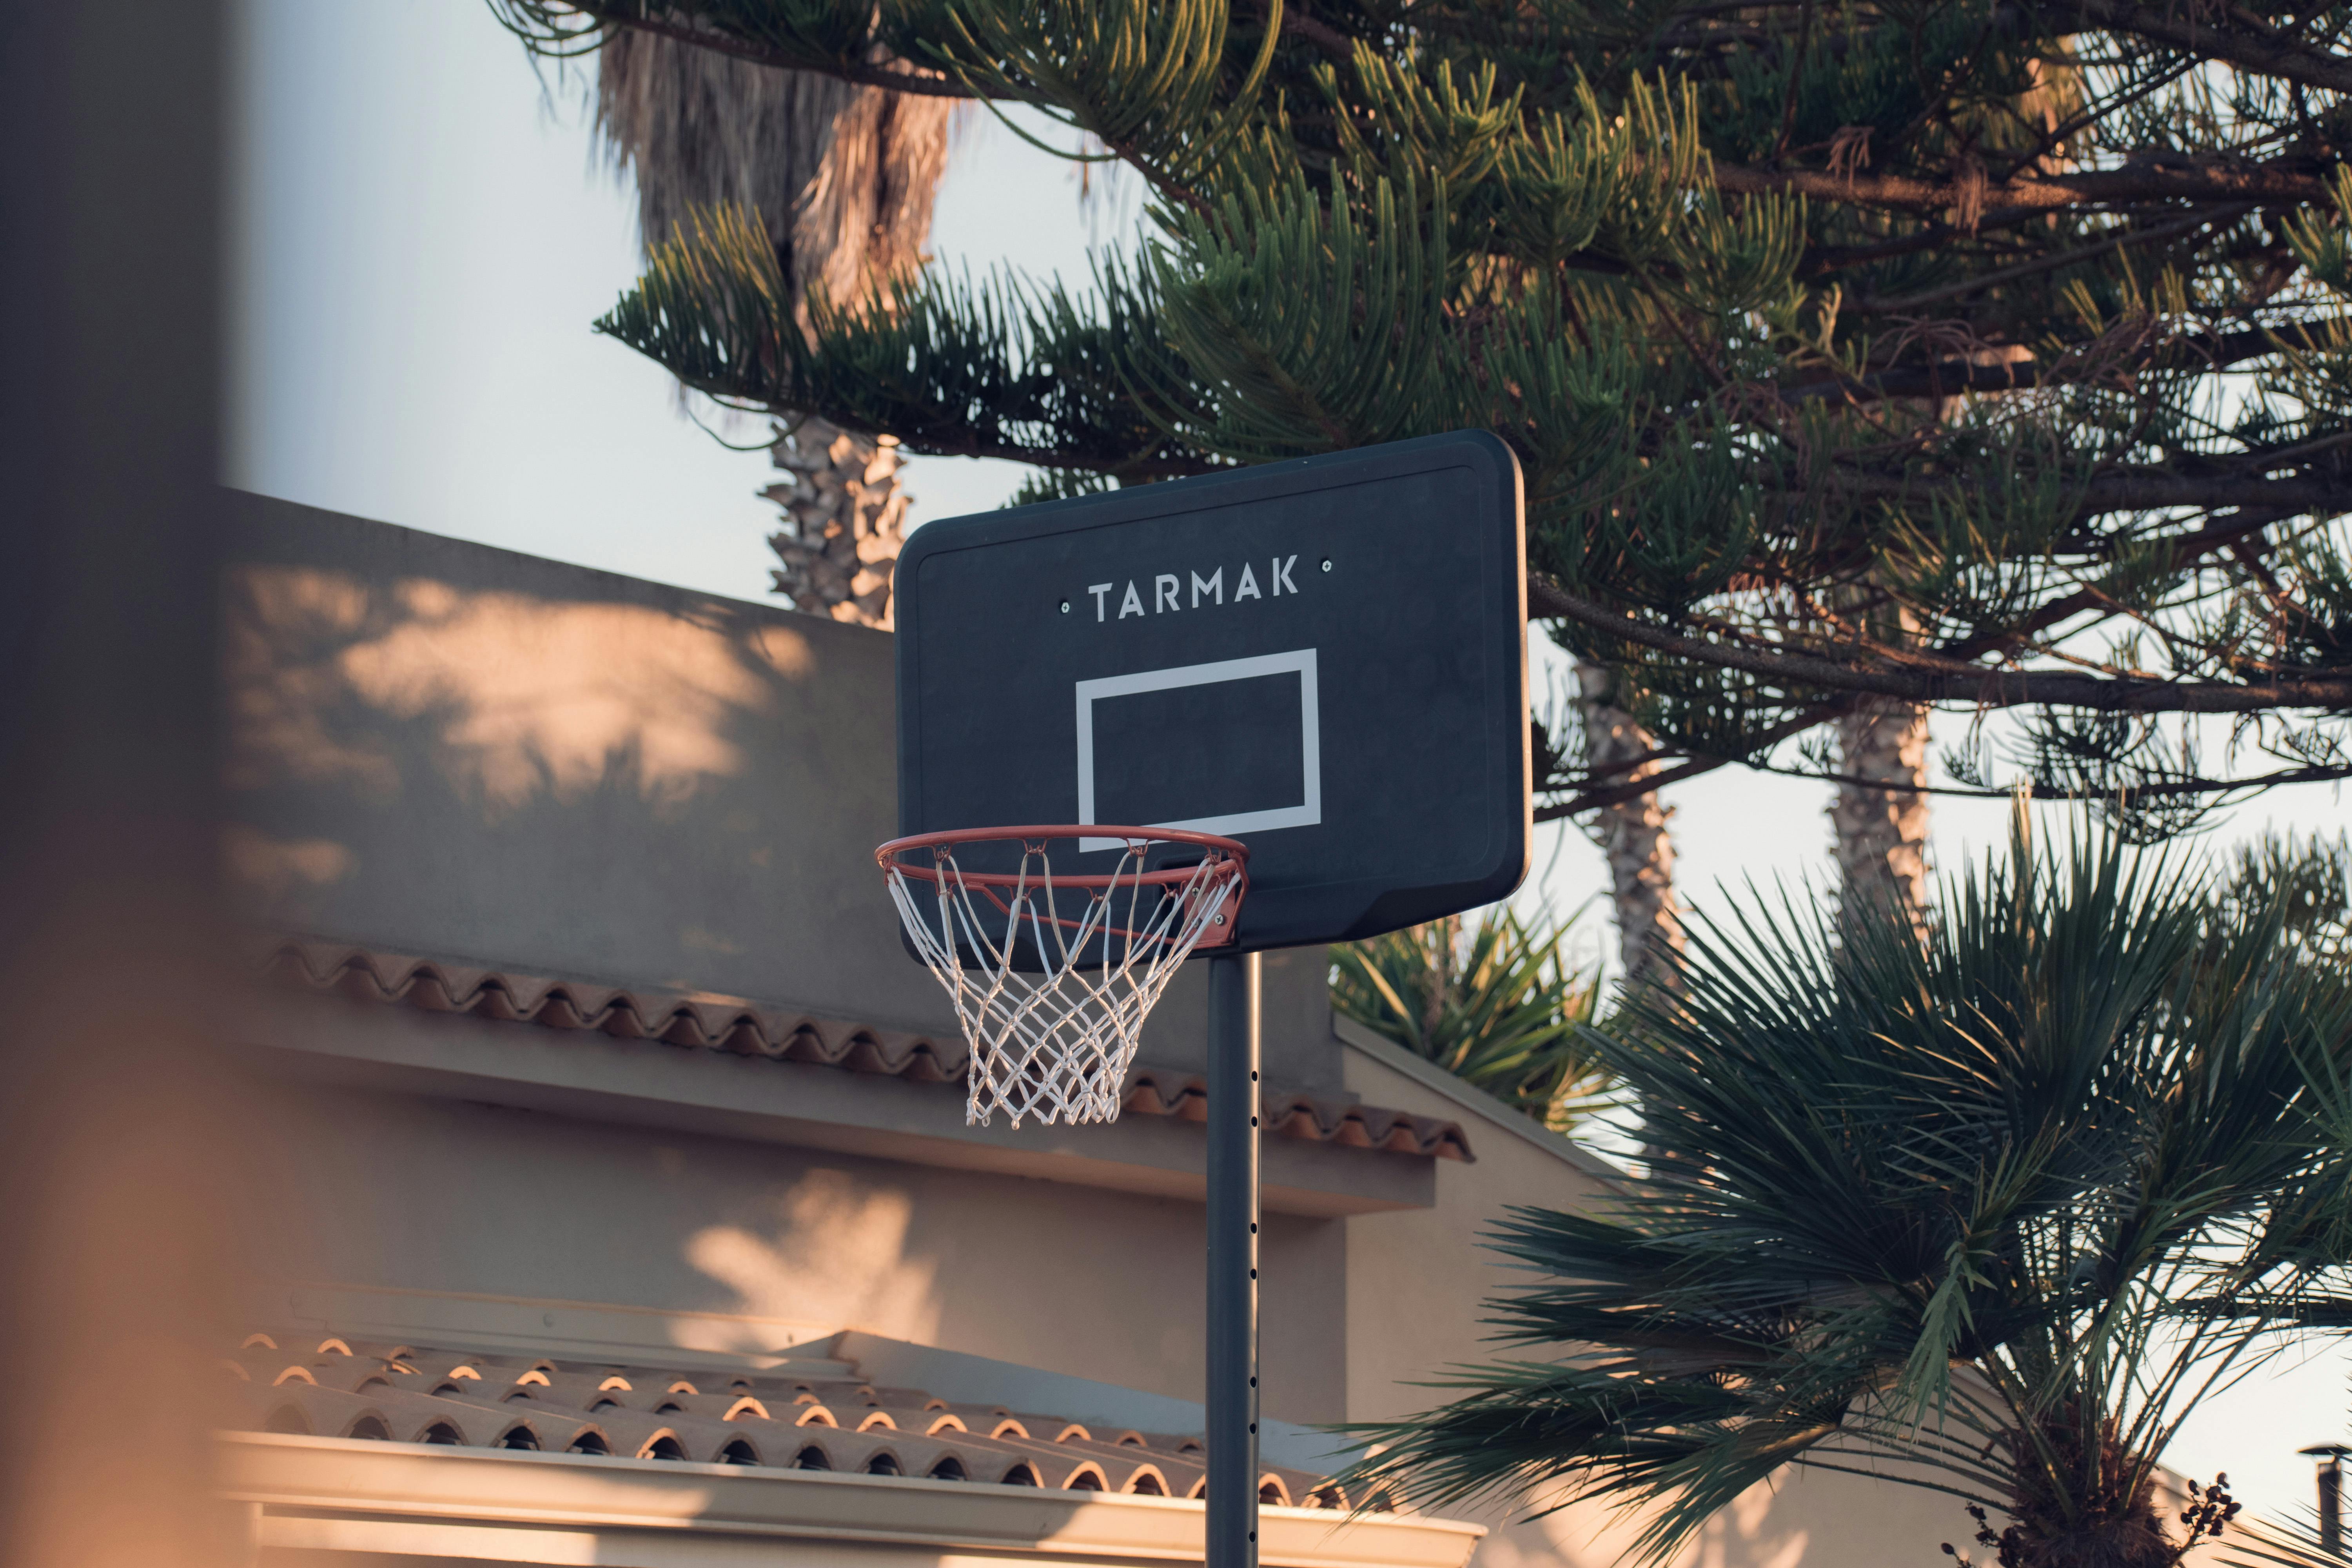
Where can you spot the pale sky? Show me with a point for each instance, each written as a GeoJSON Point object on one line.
{"type": "Point", "coordinates": [425, 237]}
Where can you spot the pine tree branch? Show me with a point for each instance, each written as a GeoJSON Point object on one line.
{"type": "Point", "coordinates": [1336, 44]}
{"type": "Point", "coordinates": [1992, 689]}
{"type": "Point", "coordinates": [1904, 303]}
{"type": "Point", "coordinates": [2226, 531]}
{"type": "Point", "coordinates": [2168, 789]}
{"type": "Point", "coordinates": [1823, 259]}
{"type": "Point", "coordinates": [2245, 41]}
{"type": "Point", "coordinates": [2051, 138]}
{"type": "Point", "coordinates": [2148, 490]}
{"type": "Point", "coordinates": [2193, 351]}
{"type": "Point", "coordinates": [1696, 764]}
{"type": "Point", "coordinates": [1796, 79]}
{"type": "Point", "coordinates": [1699, 763]}
{"type": "Point", "coordinates": [921, 81]}
{"type": "Point", "coordinates": [2155, 177]}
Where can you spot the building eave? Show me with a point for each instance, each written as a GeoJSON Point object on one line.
{"type": "Point", "coordinates": [336, 1494]}
{"type": "Point", "coordinates": [1321, 1168]}
{"type": "Point", "coordinates": [736, 1026]}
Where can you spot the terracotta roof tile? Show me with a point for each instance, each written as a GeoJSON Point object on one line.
{"type": "Point", "coordinates": [699, 1020]}
{"type": "Point", "coordinates": [414, 1393]}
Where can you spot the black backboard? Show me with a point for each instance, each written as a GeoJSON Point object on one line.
{"type": "Point", "coordinates": [1325, 658]}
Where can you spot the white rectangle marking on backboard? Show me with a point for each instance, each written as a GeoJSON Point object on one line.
{"type": "Point", "coordinates": [1299, 661]}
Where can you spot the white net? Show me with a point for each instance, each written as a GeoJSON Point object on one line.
{"type": "Point", "coordinates": [1052, 979]}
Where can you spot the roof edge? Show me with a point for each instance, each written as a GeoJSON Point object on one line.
{"type": "Point", "coordinates": [259, 522]}
{"type": "Point", "coordinates": [362, 1492]}
{"type": "Point", "coordinates": [702, 1020]}
{"type": "Point", "coordinates": [989, 1380]}
{"type": "Point", "coordinates": [1477, 1102]}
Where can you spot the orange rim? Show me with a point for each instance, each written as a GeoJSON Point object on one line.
{"type": "Point", "coordinates": [1033, 839]}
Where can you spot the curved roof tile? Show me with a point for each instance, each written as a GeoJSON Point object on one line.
{"type": "Point", "coordinates": [701, 1021]}
{"type": "Point", "coordinates": [572, 1411]}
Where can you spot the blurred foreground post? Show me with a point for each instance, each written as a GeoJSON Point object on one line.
{"type": "Point", "coordinates": [112, 1219]}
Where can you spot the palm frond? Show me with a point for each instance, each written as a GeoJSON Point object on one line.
{"type": "Point", "coordinates": [1979, 1210]}
{"type": "Point", "coordinates": [1491, 1000]}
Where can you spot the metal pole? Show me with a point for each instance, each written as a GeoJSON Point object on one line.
{"type": "Point", "coordinates": [1232, 1260]}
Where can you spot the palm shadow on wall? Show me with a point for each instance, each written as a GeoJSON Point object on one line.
{"type": "Point", "coordinates": [442, 749]}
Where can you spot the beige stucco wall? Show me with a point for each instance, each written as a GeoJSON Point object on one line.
{"type": "Point", "coordinates": [1416, 1278]}
{"type": "Point", "coordinates": [729, 1245]}
{"type": "Point", "coordinates": [442, 749]}
{"type": "Point", "coordinates": [445, 749]}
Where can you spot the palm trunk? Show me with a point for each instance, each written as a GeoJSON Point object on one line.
{"type": "Point", "coordinates": [843, 177]}
{"type": "Point", "coordinates": [1882, 824]}
{"type": "Point", "coordinates": [844, 521]}
{"type": "Point", "coordinates": [1633, 837]}
{"type": "Point", "coordinates": [1880, 821]}
{"type": "Point", "coordinates": [1632, 834]}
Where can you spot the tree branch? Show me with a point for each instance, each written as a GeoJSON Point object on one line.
{"type": "Point", "coordinates": [1335, 44]}
{"type": "Point", "coordinates": [2148, 490]}
{"type": "Point", "coordinates": [1903, 304]}
{"type": "Point", "coordinates": [1992, 689]}
{"type": "Point", "coordinates": [1545, 599]}
{"type": "Point", "coordinates": [1699, 763]}
{"type": "Point", "coordinates": [2163, 790]}
{"type": "Point", "coordinates": [864, 73]}
{"type": "Point", "coordinates": [2176, 27]}
{"type": "Point", "coordinates": [955, 440]}
{"type": "Point", "coordinates": [2202, 350]}
{"type": "Point", "coordinates": [2161, 178]}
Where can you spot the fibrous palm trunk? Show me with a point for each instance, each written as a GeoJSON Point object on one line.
{"type": "Point", "coordinates": [844, 521]}
{"type": "Point", "coordinates": [1882, 824]}
{"type": "Point", "coordinates": [1632, 834]}
{"type": "Point", "coordinates": [844, 178]}
{"type": "Point", "coordinates": [1880, 818]}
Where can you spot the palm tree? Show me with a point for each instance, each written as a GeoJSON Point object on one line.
{"type": "Point", "coordinates": [1632, 834]}
{"type": "Point", "coordinates": [1491, 1000]}
{"type": "Point", "coordinates": [1878, 821]}
{"type": "Point", "coordinates": [1983, 1209]}
{"type": "Point", "coordinates": [842, 178]}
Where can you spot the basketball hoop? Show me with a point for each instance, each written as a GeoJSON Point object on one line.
{"type": "Point", "coordinates": [1052, 973]}
{"type": "Point", "coordinates": [1219, 652]}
